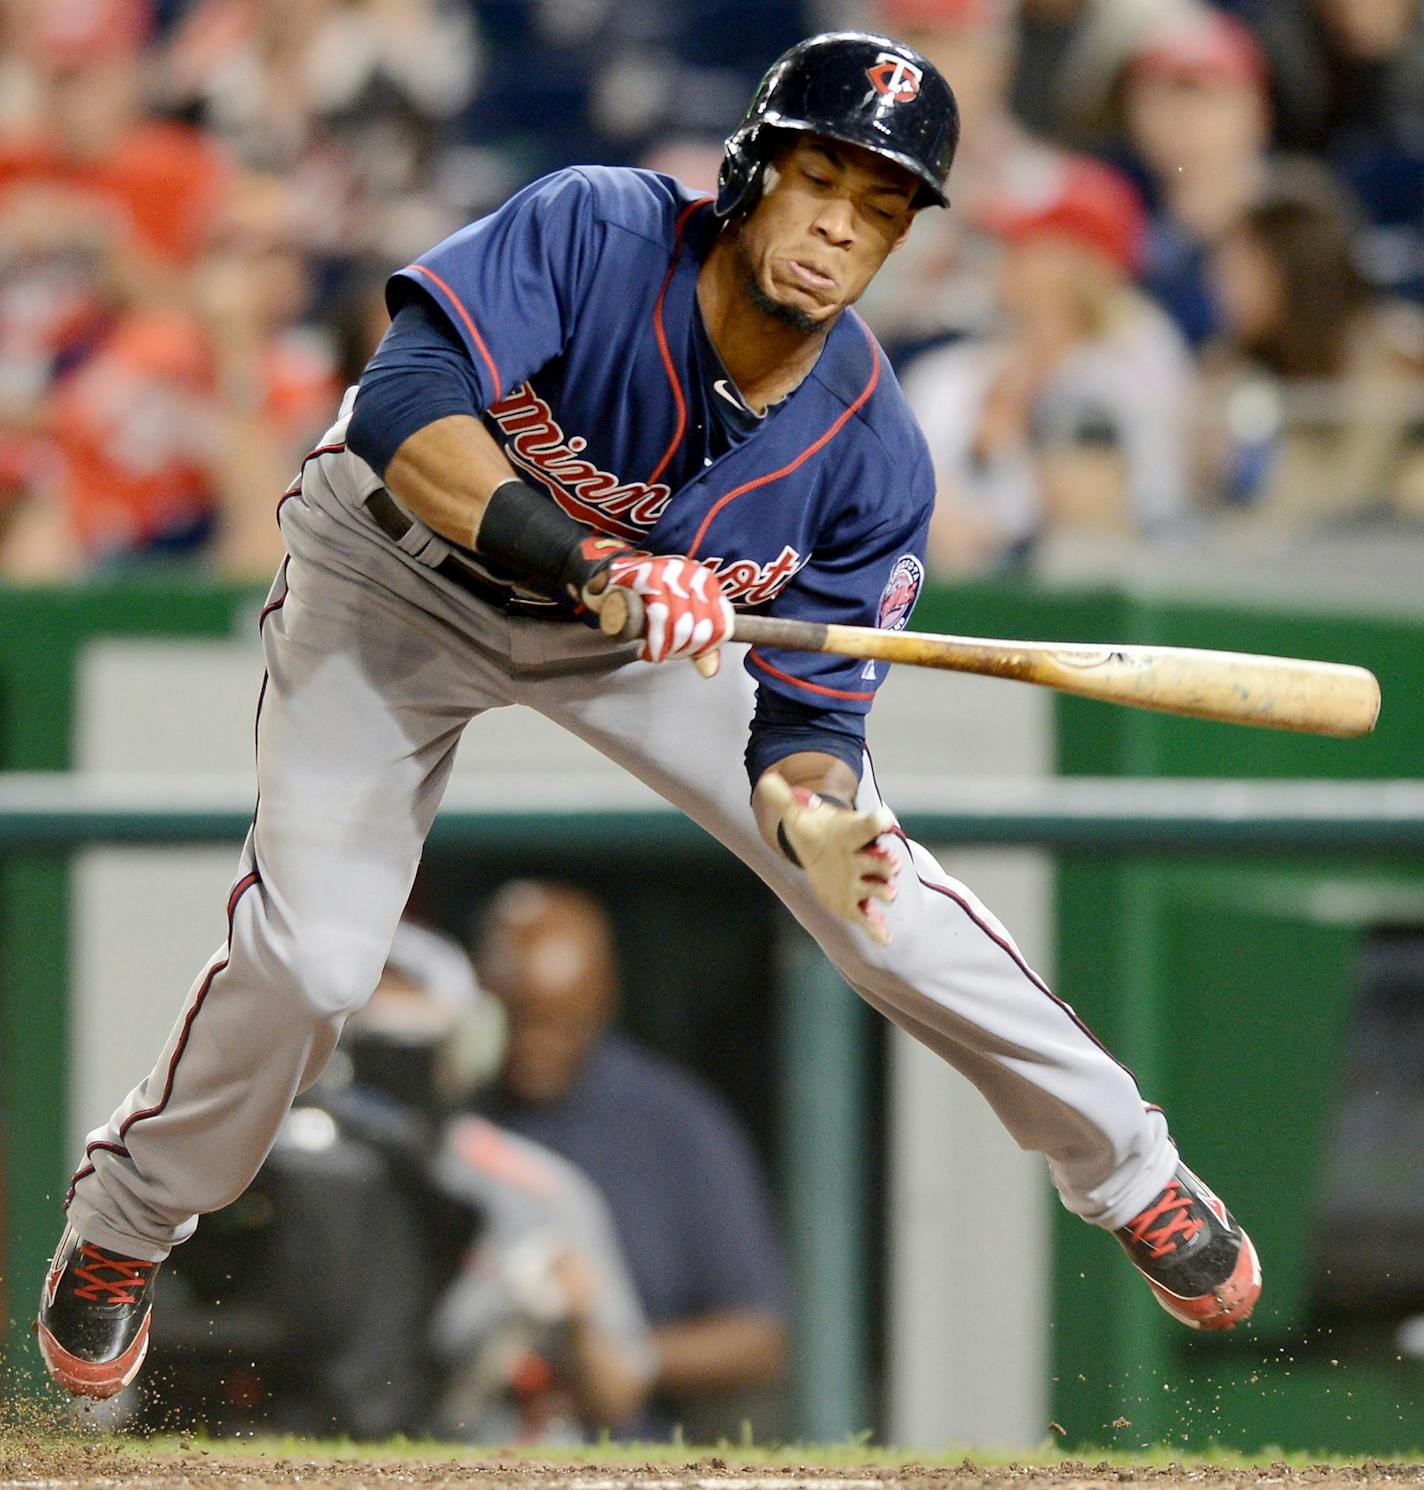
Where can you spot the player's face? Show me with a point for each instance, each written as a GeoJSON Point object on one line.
{"type": "Point", "coordinates": [828, 217]}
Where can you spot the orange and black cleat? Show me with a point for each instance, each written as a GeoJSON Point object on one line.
{"type": "Point", "coordinates": [1196, 1259]}
{"type": "Point", "coordinates": [94, 1317]}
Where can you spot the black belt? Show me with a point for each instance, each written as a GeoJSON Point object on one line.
{"type": "Point", "coordinates": [395, 525]}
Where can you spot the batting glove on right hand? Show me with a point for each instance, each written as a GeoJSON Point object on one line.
{"type": "Point", "coordinates": [687, 615]}
{"type": "Point", "coordinates": [839, 850]}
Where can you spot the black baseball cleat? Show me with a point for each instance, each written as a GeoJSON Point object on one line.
{"type": "Point", "coordinates": [94, 1317]}
{"type": "Point", "coordinates": [1196, 1259]}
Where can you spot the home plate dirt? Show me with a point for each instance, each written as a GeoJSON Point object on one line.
{"type": "Point", "coordinates": [101, 1464]}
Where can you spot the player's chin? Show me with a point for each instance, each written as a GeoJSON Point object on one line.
{"type": "Point", "coordinates": [823, 312]}
{"type": "Point", "coordinates": [803, 309]}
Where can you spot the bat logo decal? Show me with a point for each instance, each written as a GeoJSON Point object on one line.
{"type": "Point", "coordinates": [1086, 658]}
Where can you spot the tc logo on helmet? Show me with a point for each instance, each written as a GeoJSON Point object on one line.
{"type": "Point", "coordinates": [893, 76]}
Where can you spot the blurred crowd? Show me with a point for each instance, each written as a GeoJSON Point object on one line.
{"type": "Point", "coordinates": [1181, 285]}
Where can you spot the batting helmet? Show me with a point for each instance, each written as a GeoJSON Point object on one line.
{"type": "Point", "coordinates": [853, 86]}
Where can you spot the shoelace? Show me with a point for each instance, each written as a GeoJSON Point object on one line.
{"type": "Point", "coordinates": [1175, 1207]}
{"type": "Point", "coordinates": [130, 1272]}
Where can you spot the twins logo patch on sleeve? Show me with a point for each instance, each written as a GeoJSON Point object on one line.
{"type": "Point", "coordinates": [901, 591]}
{"type": "Point", "coordinates": [897, 600]}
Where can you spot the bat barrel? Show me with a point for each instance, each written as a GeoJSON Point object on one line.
{"type": "Point", "coordinates": [1322, 698]}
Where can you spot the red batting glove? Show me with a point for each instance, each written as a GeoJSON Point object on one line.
{"type": "Point", "coordinates": [687, 613]}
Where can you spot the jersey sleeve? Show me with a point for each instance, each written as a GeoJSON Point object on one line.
{"type": "Point", "coordinates": [511, 283]}
{"type": "Point", "coordinates": [863, 573]}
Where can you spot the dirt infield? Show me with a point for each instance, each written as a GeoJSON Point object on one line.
{"type": "Point", "coordinates": [107, 1464]}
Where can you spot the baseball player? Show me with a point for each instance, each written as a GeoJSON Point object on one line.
{"type": "Point", "coordinates": [612, 382]}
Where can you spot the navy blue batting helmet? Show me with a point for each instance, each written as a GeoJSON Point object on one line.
{"type": "Point", "coordinates": [855, 87]}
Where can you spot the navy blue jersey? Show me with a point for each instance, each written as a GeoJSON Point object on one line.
{"type": "Point", "coordinates": [576, 302]}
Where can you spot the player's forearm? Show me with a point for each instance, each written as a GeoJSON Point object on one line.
{"type": "Point", "coordinates": [454, 477]}
{"type": "Point", "coordinates": [719, 1352]}
{"type": "Point", "coordinates": [811, 770]}
{"type": "Point", "coordinates": [444, 473]}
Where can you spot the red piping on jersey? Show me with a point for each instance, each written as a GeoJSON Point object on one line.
{"type": "Point", "coordinates": [470, 326]}
{"type": "Point", "coordinates": [238, 891]}
{"type": "Point", "coordinates": [662, 341]}
{"type": "Point", "coordinates": [776, 672]}
{"type": "Point", "coordinates": [267, 610]}
{"type": "Point", "coordinates": [809, 451]}
{"type": "Point", "coordinates": [1016, 956]}
{"type": "Point", "coordinates": [296, 486]}
{"type": "Point", "coordinates": [257, 730]}
{"type": "Point", "coordinates": [88, 1169]}
{"type": "Point", "coordinates": [1008, 946]}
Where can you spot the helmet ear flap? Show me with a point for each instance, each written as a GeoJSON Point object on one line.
{"type": "Point", "coordinates": [739, 180]}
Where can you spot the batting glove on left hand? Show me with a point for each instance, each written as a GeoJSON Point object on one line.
{"type": "Point", "coordinates": [839, 850]}
{"type": "Point", "coordinates": [687, 615]}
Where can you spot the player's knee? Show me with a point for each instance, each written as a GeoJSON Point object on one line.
{"type": "Point", "coordinates": [333, 976]}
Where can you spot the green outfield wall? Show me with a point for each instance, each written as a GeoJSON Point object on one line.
{"type": "Point", "coordinates": [1224, 978]}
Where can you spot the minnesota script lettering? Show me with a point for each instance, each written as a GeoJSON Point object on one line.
{"type": "Point", "coordinates": [534, 442]}
{"type": "Point", "coordinates": [625, 509]}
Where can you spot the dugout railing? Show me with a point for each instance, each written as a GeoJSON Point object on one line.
{"type": "Point", "coordinates": [1261, 888]}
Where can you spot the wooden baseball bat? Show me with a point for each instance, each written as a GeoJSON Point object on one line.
{"type": "Point", "coordinates": [1317, 698]}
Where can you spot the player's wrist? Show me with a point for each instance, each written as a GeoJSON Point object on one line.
{"type": "Point", "coordinates": [523, 530]}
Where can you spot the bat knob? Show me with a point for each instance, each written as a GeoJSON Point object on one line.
{"type": "Point", "coordinates": [620, 613]}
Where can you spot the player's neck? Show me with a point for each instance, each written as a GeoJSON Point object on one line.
{"type": "Point", "coordinates": [766, 357]}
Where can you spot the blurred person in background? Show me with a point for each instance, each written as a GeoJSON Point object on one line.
{"type": "Point", "coordinates": [1197, 122]}
{"type": "Point", "coordinates": [1348, 84]}
{"type": "Point", "coordinates": [677, 1170]}
{"type": "Point", "coordinates": [1070, 420]}
{"type": "Point", "coordinates": [940, 284]}
{"type": "Point", "coordinates": [1069, 52]}
{"type": "Point", "coordinates": [102, 209]}
{"type": "Point", "coordinates": [178, 434]}
{"type": "Point", "coordinates": [1312, 395]}
{"type": "Point", "coordinates": [511, 1317]}
{"type": "Point", "coordinates": [616, 77]}
{"type": "Point", "coordinates": [272, 367]}
{"type": "Point", "coordinates": [349, 100]}
{"type": "Point", "coordinates": [540, 1335]}
{"type": "Point", "coordinates": [537, 1332]}
{"type": "Point", "coordinates": [357, 317]}
{"type": "Point", "coordinates": [531, 1331]}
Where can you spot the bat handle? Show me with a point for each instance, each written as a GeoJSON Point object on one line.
{"type": "Point", "coordinates": [620, 613]}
